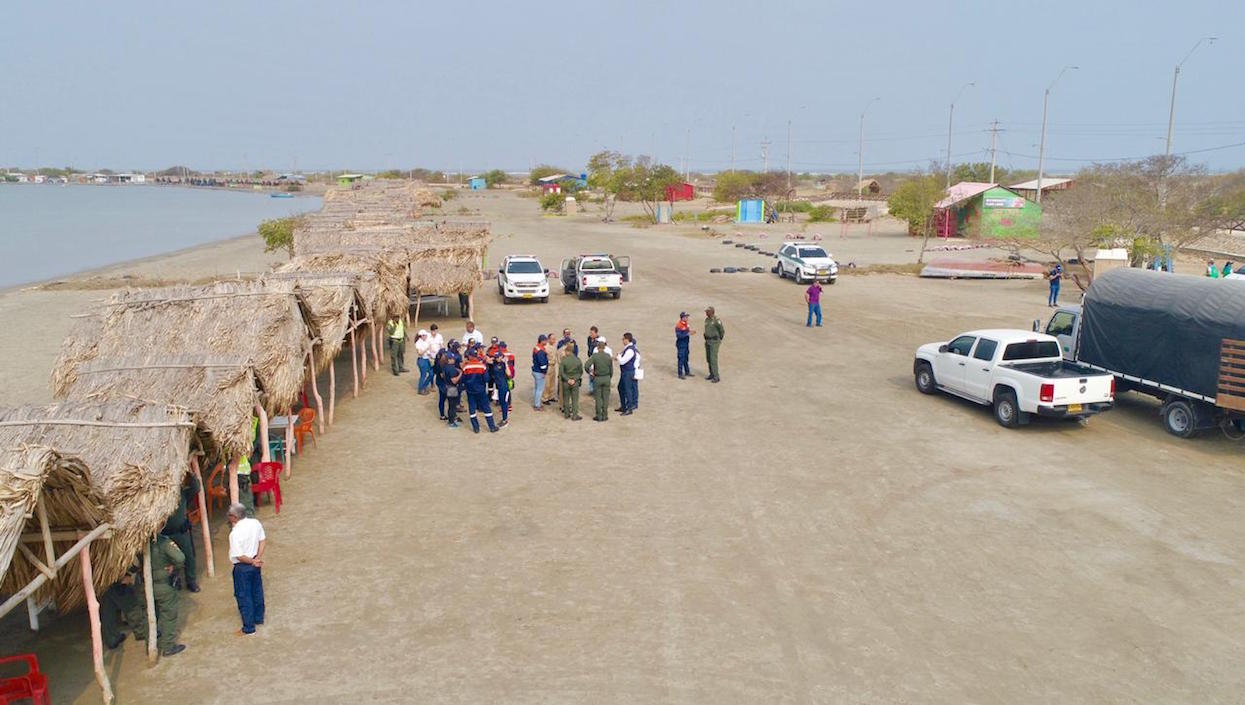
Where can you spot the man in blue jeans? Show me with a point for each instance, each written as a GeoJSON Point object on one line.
{"type": "Point", "coordinates": [812, 296]}
{"type": "Point", "coordinates": [246, 553]}
{"type": "Point", "coordinates": [540, 367]}
{"type": "Point", "coordinates": [1055, 275]}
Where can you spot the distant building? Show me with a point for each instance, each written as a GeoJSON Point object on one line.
{"type": "Point", "coordinates": [348, 179]}
{"type": "Point", "coordinates": [1029, 189]}
{"type": "Point", "coordinates": [16, 177]}
{"type": "Point", "coordinates": [566, 180]}
{"type": "Point", "coordinates": [293, 178]}
{"type": "Point", "coordinates": [130, 178]}
{"type": "Point", "coordinates": [680, 192]}
{"type": "Point", "coordinates": [975, 209]}
{"type": "Point", "coordinates": [477, 183]}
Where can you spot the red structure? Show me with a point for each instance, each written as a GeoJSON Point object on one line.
{"type": "Point", "coordinates": [680, 192]}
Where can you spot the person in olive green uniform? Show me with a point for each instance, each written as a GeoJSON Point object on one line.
{"type": "Point", "coordinates": [166, 559]}
{"type": "Point", "coordinates": [714, 333]}
{"type": "Point", "coordinates": [396, 332]}
{"type": "Point", "coordinates": [571, 372]}
{"type": "Point", "coordinates": [601, 367]}
{"type": "Point", "coordinates": [178, 527]}
{"type": "Point", "coordinates": [119, 599]}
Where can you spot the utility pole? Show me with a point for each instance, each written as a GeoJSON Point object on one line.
{"type": "Point", "coordinates": [994, 136]}
{"type": "Point", "coordinates": [765, 156]}
{"type": "Point", "coordinates": [1042, 144]}
{"type": "Point", "coordinates": [1171, 115]}
{"type": "Point", "coordinates": [732, 148]}
{"type": "Point", "coordinates": [687, 145]}
{"type": "Point", "coordinates": [950, 119]}
{"type": "Point", "coordinates": [860, 153]}
{"type": "Point", "coordinates": [788, 156]}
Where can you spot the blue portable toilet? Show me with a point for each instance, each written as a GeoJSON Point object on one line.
{"type": "Point", "coordinates": [477, 183]}
{"type": "Point", "coordinates": [750, 210]}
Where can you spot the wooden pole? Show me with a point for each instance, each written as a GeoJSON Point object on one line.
{"type": "Point", "coordinates": [265, 455]}
{"type": "Point", "coordinates": [289, 442]}
{"type": "Point", "coordinates": [354, 363]}
{"type": "Point", "coordinates": [232, 469]}
{"type": "Point", "coordinates": [332, 389]}
{"type": "Point", "coordinates": [151, 599]}
{"type": "Point", "coordinates": [203, 518]}
{"type": "Point", "coordinates": [46, 530]}
{"type": "Point", "coordinates": [376, 351]}
{"type": "Point", "coordinates": [315, 388]}
{"type": "Point", "coordinates": [418, 300]}
{"type": "Point", "coordinates": [471, 305]}
{"type": "Point", "coordinates": [92, 608]}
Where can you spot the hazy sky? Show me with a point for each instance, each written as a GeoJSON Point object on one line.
{"type": "Point", "coordinates": [371, 85]}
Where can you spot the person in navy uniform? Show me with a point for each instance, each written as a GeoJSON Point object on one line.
{"type": "Point", "coordinates": [475, 383]}
{"type": "Point", "coordinates": [540, 369]}
{"type": "Point", "coordinates": [499, 372]}
{"type": "Point", "coordinates": [626, 380]}
{"type": "Point", "coordinates": [452, 375]}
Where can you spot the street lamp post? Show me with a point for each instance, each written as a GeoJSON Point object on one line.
{"type": "Point", "coordinates": [950, 119]}
{"type": "Point", "coordinates": [1171, 115]}
{"type": "Point", "coordinates": [860, 153]}
{"type": "Point", "coordinates": [1042, 145]}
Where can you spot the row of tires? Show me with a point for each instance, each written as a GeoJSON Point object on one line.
{"type": "Point", "coordinates": [736, 270]}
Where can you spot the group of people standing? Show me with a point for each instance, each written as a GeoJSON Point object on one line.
{"type": "Point", "coordinates": [561, 376]}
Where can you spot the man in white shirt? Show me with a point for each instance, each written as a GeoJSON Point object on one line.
{"type": "Point", "coordinates": [627, 361]}
{"type": "Point", "coordinates": [246, 553]}
{"type": "Point", "coordinates": [424, 361]}
{"type": "Point", "coordinates": [435, 340]}
{"type": "Point", "coordinates": [472, 335]}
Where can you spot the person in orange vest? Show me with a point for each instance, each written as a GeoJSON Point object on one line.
{"type": "Point", "coordinates": [475, 384]}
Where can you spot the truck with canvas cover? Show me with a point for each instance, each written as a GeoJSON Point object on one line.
{"type": "Point", "coordinates": [1180, 339]}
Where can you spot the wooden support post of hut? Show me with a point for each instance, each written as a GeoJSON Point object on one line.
{"type": "Point", "coordinates": [92, 608]}
{"type": "Point", "coordinates": [332, 389]}
{"type": "Point", "coordinates": [150, 597]}
{"type": "Point", "coordinates": [265, 453]}
{"type": "Point", "coordinates": [315, 388]}
{"type": "Point", "coordinates": [203, 517]}
{"type": "Point", "coordinates": [354, 363]}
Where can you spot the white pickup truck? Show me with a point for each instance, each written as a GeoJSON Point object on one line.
{"type": "Point", "coordinates": [522, 277]}
{"type": "Point", "coordinates": [1018, 372]}
{"type": "Point", "coordinates": [599, 275]}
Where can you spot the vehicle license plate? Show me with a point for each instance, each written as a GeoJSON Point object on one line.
{"type": "Point", "coordinates": [604, 288]}
{"type": "Point", "coordinates": [823, 272]}
{"type": "Point", "coordinates": [527, 296]}
{"type": "Point", "coordinates": [1074, 408]}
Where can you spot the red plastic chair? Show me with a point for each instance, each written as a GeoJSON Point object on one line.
{"type": "Point", "coordinates": [217, 488]}
{"type": "Point", "coordinates": [33, 684]}
{"type": "Point", "coordinates": [305, 427]}
{"type": "Point", "coordinates": [269, 481]}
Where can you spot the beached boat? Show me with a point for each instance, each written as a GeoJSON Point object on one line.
{"type": "Point", "coordinates": [281, 195]}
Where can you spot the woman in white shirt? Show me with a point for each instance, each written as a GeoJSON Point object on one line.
{"type": "Point", "coordinates": [424, 361]}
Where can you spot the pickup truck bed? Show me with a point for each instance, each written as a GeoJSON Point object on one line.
{"type": "Point", "coordinates": [1054, 370]}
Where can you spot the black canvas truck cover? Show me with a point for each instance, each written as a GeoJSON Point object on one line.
{"type": "Point", "coordinates": [1161, 327]}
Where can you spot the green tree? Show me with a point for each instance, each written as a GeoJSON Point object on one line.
{"type": "Point", "coordinates": [494, 178]}
{"type": "Point", "coordinates": [391, 174]}
{"type": "Point", "coordinates": [602, 168]}
{"type": "Point", "coordinates": [913, 201]}
{"type": "Point", "coordinates": [278, 234]}
{"type": "Point", "coordinates": [732, 186]}
{"type": "Point", "coordinates": [644, 181]}
{"type": "Point", "coordinates": [542, 171]}
{"type": "Point", "coordinates": [555, 202]}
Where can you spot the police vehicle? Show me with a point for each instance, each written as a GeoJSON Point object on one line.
{"type": "Point", "coordinates": [806, 261]}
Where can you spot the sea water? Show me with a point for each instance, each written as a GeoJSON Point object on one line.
{"type": "Point", "coordinates": [49, 231]}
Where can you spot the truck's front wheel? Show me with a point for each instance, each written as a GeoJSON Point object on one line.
{"type": "Point", "coordinates": [925, 383]}
{"type": "Point", "coordinates": [1179, 418]}
{"type": "Point", "coordinates": [1006, 411]}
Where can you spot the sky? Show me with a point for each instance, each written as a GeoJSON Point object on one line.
{"type": "Point", "coordinates": [312, 85]}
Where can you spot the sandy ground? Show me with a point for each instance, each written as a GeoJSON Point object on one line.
{"type": "Point", "coordinates": [812, 530]}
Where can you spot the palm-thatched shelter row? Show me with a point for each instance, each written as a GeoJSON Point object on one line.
{"type": "Point", "coordinates": [152, 381]}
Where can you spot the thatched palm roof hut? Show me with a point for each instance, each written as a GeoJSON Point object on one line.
{"type": "Point", "coordinates": [134, 455]}
{"type": "Point", "coordinates": [269, 326]}
{"type": "Point", "coordinates": [383, 275]}
{"type": "Point", "coordinates": [31, 472]}
{"type": "Point", "coordinates": [447, 269]}
{"type": "Point", "coordinates": [334, 303]}
{"type": "Point", "coordinates": [219, 392]}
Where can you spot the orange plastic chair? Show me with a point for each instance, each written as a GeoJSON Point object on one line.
{"type": "Point", "coordinates": [269, 481]}
{"type": "Point", "coordinates": [217, 490]}
{"type": "Point", "coordinates": [304, 427]}
{"type": "Point", "coordinates": [32, 685]}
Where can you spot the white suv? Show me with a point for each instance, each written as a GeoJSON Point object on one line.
{"type": "Point", "coordinates": [522, 277]}
{"type": "Point", "coordinates": [806, 261]}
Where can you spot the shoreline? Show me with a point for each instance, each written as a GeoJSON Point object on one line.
{"type": "Point", "coordinates": [90, 272]}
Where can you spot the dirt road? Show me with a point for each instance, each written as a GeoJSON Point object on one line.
{"type": "Point", "coordinates": [811, 530]}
